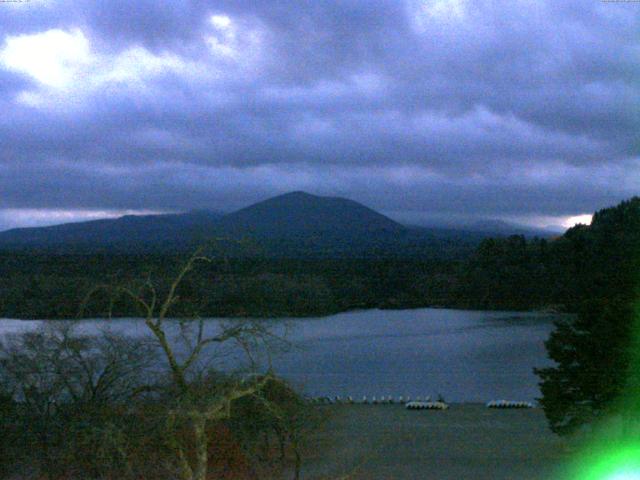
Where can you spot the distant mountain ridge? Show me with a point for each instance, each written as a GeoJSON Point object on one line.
{"type": "Point", "coordinates": [292, 216]}
{"type": "Point", "coordinates": [126, 231]}
{"type": "Point", "coordinates": [294, 224]}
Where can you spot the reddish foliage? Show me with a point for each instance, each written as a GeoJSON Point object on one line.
{"type": "Point", "coordinates": [226, 458]}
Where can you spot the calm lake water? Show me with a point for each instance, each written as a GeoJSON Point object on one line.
{"type": "Point", "coordinates": [462, 355]}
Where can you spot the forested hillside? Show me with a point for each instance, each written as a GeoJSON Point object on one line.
{"type": "Point", "coordinates": [596, 261]}
{"type": "Point", "coordinates": [53, 286]}
{"type": "Point", "coordinates": [596, 356]}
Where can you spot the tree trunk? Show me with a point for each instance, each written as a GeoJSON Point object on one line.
{"type": "Point", "coordinates": [201, 445]}
{"type": "Point", "coordinates": [298, 464]}
{"type": "Point", "coordinates": [281, 442]}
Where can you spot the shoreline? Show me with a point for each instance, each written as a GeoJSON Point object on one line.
{"type": "Point", "coordinates": [539, 311]}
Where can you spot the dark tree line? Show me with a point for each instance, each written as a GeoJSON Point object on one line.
{"type": "Point", "coordinates": [510, 274]}
{"type": "Point", "coordinates": [596, 352]}
{"type": "Point", "coordinates": [51, 286]}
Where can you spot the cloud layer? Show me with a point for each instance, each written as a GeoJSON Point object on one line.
{"type": "Point", "coordinates": [425, 109]}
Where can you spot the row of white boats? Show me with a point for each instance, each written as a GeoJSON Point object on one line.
{"type": "Point", "coordinates": [416, 404]}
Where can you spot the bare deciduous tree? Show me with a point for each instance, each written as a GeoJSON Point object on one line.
{"type": "Point", "coordinates": [60, 379]}
{"type": "Point", "coordinates": [195, 404]}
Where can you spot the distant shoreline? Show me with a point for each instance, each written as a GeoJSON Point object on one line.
{"type": "Point", "coordinates": [541, 311]}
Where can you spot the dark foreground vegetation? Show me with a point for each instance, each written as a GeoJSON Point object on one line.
{"type": "Point", "coordinates": [161, 406]}
{"type": "Point", "coordinates": [98, 407]}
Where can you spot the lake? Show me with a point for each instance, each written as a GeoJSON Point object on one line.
{"type": "Point", "coordinates": [470, 356]}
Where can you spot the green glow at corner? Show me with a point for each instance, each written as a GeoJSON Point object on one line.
{"type": "Point", "coordinates": [611, 464]}
{"type": "Point", "coordinates": [625, 476]}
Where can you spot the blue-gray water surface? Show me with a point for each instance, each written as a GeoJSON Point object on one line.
{"type": "Point", "coordinates": [461, 355]}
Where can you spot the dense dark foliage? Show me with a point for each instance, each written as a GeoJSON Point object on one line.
{"type": "Point", "coordinates": [53, 286]}
{"type": "Point", "coordinates": [8, 414]}
{"type": "Point", "coordinates": [596, 352]}
{"type": "Point", "coordinates": [75, 406]}
{"type": "Point", "coordinates": [509, 274]}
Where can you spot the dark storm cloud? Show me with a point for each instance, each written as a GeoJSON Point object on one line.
{"type": "Point", "coordinates": [469, 108]}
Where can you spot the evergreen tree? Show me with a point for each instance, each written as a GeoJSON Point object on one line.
{"type": "Point", "coordinates": [596, 351]}
{"type": "Point", "coordinates": [593, 356]}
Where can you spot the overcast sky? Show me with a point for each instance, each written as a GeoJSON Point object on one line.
{"type": "Point", "coordinates": [427, 110]}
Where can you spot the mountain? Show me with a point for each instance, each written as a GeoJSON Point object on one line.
{"type": "Point", "coordinates": [295, 225]}
{"type": "Point", "coordinates": [301, 214]}
{"type": "Point", "coordinates": [296, 216]}
{"type": "Point", "coordinates": [129, 231]}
